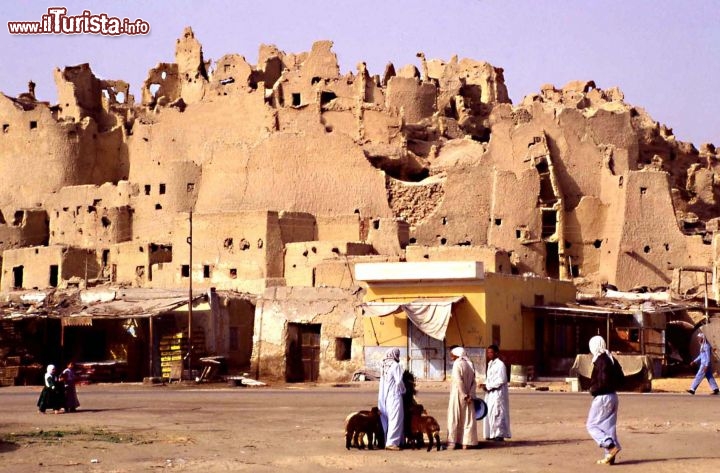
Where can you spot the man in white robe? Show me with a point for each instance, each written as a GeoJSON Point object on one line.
{"type": "Point", "coordinates": [496, 425]}
{"type": "Point", "coordinates": [390, 401]}
{"type": "Point", "coordinates": [462, 426]}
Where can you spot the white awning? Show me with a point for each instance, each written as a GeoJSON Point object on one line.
{"type": "Point", "coordinates": [430, 315]}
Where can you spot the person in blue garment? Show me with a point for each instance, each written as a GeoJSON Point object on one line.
{"type": "Point", "coordinates": [704, 361]}
{"type": "Point", "coordinates": [390, 399]}
{"type": "Point", "coordinates": [607, 376]}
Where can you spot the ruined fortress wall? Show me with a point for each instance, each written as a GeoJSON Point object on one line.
{"type": "Point", "coordinates": [162, 191]}
{"type": "Point", "coordinates": [296, 173]}
{"type": "Point", "coordinates": [26, 227]}
{"type": "Point", "coordinates": [493, 260]}
{"type": "Point", "coordinates": [91, 216]}
{"type": "Point", "coordinates": [228, 248]}
{"type": "Point", "coordinates": [646, 244]}
{"type": "Point", "coordinates": [302, 258]}
{"type": "Point", "coordinates": [516, 223]}
{"type": "Point", "coordinates": [47, 266]}
{"type": "Point", "coordinates": [40, 154]}
{"type": "Point", "coordinates": [433, 155]}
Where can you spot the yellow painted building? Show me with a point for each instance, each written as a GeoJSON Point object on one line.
{"type": "Point", "coordinates": [486, 308]}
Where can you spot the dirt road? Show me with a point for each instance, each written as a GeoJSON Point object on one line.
{"type": "Point", "coordinates": [130, 428]}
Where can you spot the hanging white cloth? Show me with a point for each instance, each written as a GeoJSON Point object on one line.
{"type": "Point", "coordinates": [431, 316]}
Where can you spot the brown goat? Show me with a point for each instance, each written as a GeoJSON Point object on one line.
{"type": "Point", "coordinates": [421, 423]}
{"type": "Point", "coordinates": [361, 423]}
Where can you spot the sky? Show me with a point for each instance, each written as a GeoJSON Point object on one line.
{"type": "Point", "coordinates": [664, 55]}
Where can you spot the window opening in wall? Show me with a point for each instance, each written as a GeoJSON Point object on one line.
{"type": "Point", "coordinates": [296, 100]}
{"type": "Point", "coordinates": [190, 186]}
{"type": "Point", "coordinates": [326, 97]}
{"type": "Point", "coordinates": [643, 190]}
{"type": "Point", "coordinates": [6, 127]}
{"type": "Point", "coordinates": [105, 257]}
{"type": "Point", "coordinates": [53, 275]}
{"type": "Point", "coordinates": [542, 166]}
{"type": "Point", "coordinates": [18, 277]}
{"type": "Point", "coordinates": [158, 207]}
{"type": "Point", "coordinates": [18, 217]}
{"type": "Point", "coordinates": [498, 221]}
{"type": "Point", "coordinates": [228, 244]}
{"type": "Point", "coordinates": [549, 221]}
{"type": "Point", "coordinates": [162, 188]}
{"type": "Point", "coordinates": [233, 273]}
{"type": "Point", "coordinates": [148, 187]}
{"type": "Point", "coordinates": [343, 348]}
{"type": "Point", "coordinates": [185, 271]}
{"type": "Point", "coordinates": [33, 125]}
{"type": "Point", "coordinates": [105, 222]}
{"type": "Point", "coordinates": [376, 224]}
{"type": "Point", "coordinates": [597, 243]}
{"type": "Point", "coordinates": [140, 271]}
{"type": "Point", "coordinates": [646, 249]}
{"type": "Point", "coordinates": [206, 271]}
{"type": "Point", "coordinates": [574, 270]}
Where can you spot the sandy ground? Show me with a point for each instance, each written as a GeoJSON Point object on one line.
{"type": "Point", "coordinates": [214, 428]}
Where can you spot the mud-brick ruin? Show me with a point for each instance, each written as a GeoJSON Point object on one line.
{"type": "Point", "coordinates": [294, 172]}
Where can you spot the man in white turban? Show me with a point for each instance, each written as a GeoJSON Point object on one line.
{"type": "Point", "coordinates": [606, 378]}
{"type": "Point", "coordinates": [390, 401]}
{"type": "Point", "coordinates": [462, 426]}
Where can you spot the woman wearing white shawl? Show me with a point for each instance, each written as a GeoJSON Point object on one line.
{"type": "Point", "coordinates": [51, 396]}
{"type": "Point", "coordinates": [462, 426]}
{"type": "Point", "coordinates": [606, 378]}
{"type": "Point", "coordinates": [390, 401]}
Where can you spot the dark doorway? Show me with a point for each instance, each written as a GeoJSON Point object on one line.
{"type": "Point", "coordinates": [303, 352]}
{"type": "Point", "coordinates": [552, 260]}
{"type": "Point", "coordinates": [18, 277]}
{"type": "Point", "coordinates": [53, 275]}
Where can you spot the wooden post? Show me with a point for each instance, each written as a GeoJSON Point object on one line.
{"type": "Point", "coordinates": [152, 346]}
{"type": "Point", "coordinates": [190, 308]}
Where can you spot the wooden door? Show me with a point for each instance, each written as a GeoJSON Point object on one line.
{"type": "Point", "coordinates": [427, 355]}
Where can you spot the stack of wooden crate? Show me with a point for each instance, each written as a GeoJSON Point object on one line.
{"type": "Point", "coordinates": [174, 347]}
